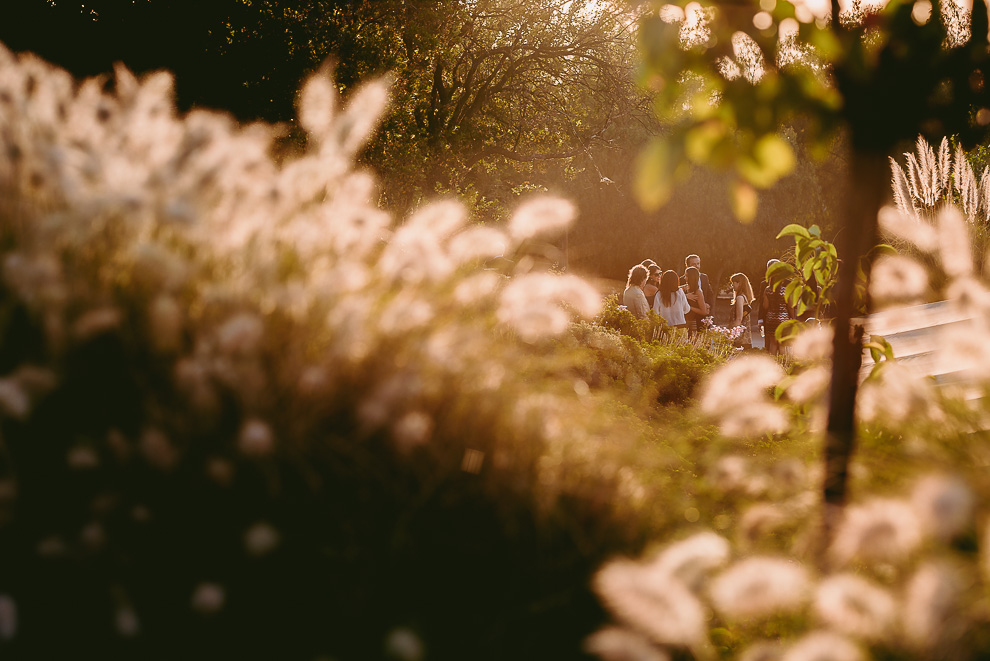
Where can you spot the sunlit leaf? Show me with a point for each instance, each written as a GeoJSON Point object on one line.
{"type": "Point", "coordinates": [744, 201]}
{"type": "Point", "coordinates": [654, 182]}
{"type": "Point", "coordinates": [793, 230]}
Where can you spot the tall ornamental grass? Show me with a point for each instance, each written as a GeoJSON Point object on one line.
{"type": "Point", "coordinates": [244, 413]}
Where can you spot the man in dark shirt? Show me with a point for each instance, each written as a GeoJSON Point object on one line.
{"type": "Point", "coordinates": [706, 287]}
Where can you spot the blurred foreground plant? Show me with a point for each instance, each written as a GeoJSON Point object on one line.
{"type": "Point", "coordinates": [246, 415]}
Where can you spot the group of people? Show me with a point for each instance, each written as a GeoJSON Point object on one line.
{"type": "Point", "coordinates": [686, 301]}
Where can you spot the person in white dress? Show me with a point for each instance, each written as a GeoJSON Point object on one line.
{"type": "Point", "coordinates": [633, 297]}
{"type": "Point", "coordinates": [670, 302]}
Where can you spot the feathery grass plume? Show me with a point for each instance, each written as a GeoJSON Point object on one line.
{"type": "Point", "coordinates": [902, 191]}
{"type": "Point", "coordinates": [618, 644]}
{"type": "Point", "coordinates": [754, 419]}
{"type": "Point", "coordinates": [262, 328]}
{"type": "Point", "coordinates": [653, 602]}
{"type": "Point", "coordinates": [691, 560]}
{"type": "Point", "coordinates": [944, 164]}
{"type": "Point", "coordinates": [953, 243]}
{"type": "Point", "coordinates": [931, 604]}
{"type": "Point", "coordinates": [855, 606]}
{"type": "Point", "coordinates": [944, 504]}
{"type": "Point", "coordinates": [722, 389]}
{"type": "Point", "coordinates": [813, 344]}
{"type": "Point", "coordinates": [759, 521]}
{"type": "Point", "coordinates": [925, 164]}
{"type": "Point", "coordinates": [914, 177]}
{"type": "Point", "coordinates": [908, 227]}
{"type": "Point", "coordinates": [531, 304]}
{"type": "Point", "coordinates": [809, 385]}
{"type": "Point", "coordinates": [541, 216]}
{"type": "Point", "coordinates": [879, 530]}
{"type": "Point", "coordinates": [763, 650]}
{"type": "Point", "coordinates": [749, 411]}
{"type": "Point", "coordinates": [966, 185]}
{"type": "Point", "coordinates": [823, 646]}
{"type": "Point", "coordinates": [897, 394]}
{"type": "Point", "coordinates": [760, 586]}
{"type": "Point", "coordinates": [897, 278]}
{"type": "Point", "coordinates": [729, 472]}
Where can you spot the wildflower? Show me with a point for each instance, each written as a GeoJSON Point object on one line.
{"type": "Point", "coordinates": [541, 216]}
{"type": "Point", "coordinates": [930, 604]}
{"type": "Point", "coordinates": [654, 603]}
{"type": "Point", "coordinates": [760, 586]}
{"type": "Point", "coordinates": [692, 559]}
{"type": "Point", "coordinates": [855, 606]}
{"type": "Point", "coordinates": [880, 530]}
{"type": "Point", "coordinates": [823, 646]}
{"type": "Point", "coordinates": [618, 644]}
{"type": "Point", "coordinates": [944, 505]}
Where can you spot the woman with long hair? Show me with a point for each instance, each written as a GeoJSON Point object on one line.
{"type": "Point", "coordinates": [742, 305]}
{"type": "Point", "coordinates": [670, 302]}
{"type": "Point", "coordinates": [695, 298]}
{"type": "Point", "coordinates": [633, 297]}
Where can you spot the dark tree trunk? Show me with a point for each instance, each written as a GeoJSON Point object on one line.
{"type": "Point", "coordinates": [868, 176]}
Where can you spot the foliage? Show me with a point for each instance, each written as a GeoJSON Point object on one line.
{"type": "Point", "coordinates": [904, 575]}
{"type": "Point", "coordinates": [729, 89]}
{"type": "Point", "coordinates": [488, 97]}
{"type": "Point", "coordinates": [661, 365]}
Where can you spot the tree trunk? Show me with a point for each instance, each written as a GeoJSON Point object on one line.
{"type": "Point", "coordinates": [868, 176]}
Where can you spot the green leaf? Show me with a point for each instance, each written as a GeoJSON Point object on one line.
{"type": "Point", "coordinates": [744, 202]}
{"type": "Point", "coordinates": [778, 273]}
{"type": "Point", "coordinates": [794, 230]}
{"type": "Point", "coordinates": [654, 182]}
{"type": "Point", "coordinates": [788, 330]}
